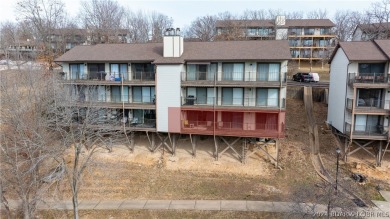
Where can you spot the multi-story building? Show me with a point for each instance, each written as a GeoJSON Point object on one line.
{"type": "Point", "coordinates": [373, 31]}
{"type": "Point", "coordinates": [359, 95]}
{"type": "Point", "coordinates": [224, 88]}
{"type": "Point", "coordinates": [311, 40]}
{"type": "Point", "coordinates": [66, 38]}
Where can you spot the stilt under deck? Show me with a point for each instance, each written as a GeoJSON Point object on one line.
{"type": "Point", "coordinates": [372, 147]}
{"type": "Point", "coordinates": [240, 147]}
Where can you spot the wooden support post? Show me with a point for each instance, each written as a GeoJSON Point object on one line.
{"type": "Point", "coordinates": [193, 142]}
{"type": "Point", "coordinates": [277, 153]}
{"type": "Point", "coordinates": [216, 147]}
{"type": "Point", "coordinates": [174, 136]}
{"type": "Point", "coordinates": [379, 154]}
{"type": "Point", "coordinates": [132, 140]}
{"type": "Point", "coordinates": [153, 142]}
{"type": "Point", "coordinates": [244, 150]}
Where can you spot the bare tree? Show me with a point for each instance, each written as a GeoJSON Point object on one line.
{"type": "Point", "coordinates": [29, 152]}
{"type": "Point", "coordinates": [44, 16]}
{"type": "Point", "coordinates": [138, 26]}
{"type": "Point", "coordinates": [203, 28]}
{"type": "Point", "coordinates": [346, 22]}
{"type": "Point", "coordinates": [158, 24]}
{"type": "Point", "coordinates": [317, 14]}
{"type": "Point", "coordinates": [84, 130]}
{"type": "Point", "coordinates": [294, 15]}
{"type": "Point", "coordinates": [103, 19]}
{"type": "Point", "coordinates": [377, 22]}
{"type": "Point", "coordinates": [255, 15]}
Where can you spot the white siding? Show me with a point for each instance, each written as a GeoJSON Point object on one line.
{"type": "Point", "coordinates": [167, 93]}
{"type": "Point", "coordinates": [337, 90]}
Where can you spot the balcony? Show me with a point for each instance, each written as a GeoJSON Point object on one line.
{"type": "Point", "coordinates": [232, 129]}
{"type": "Point", "coordinates": [232, 79]}
{"type": "Point", "coordinates": [369, 106]}
{"type": "Point", "coordinates": [372, 132]}
{"type": "Point", "coordinates": [269, 103]}
{"type": "Point", "coordinates": [143, 76]}
{"type": "Point", "coordinates": [114, 101]}
{"type": "Point", "coordinates": [371, 79]}
{"type": "Point", "coordinates": [108, 78]}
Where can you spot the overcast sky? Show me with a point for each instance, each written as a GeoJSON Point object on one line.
{"type": "Point", "coordinates": [184, 11]}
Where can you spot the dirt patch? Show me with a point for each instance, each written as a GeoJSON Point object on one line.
{"type": "Point", "coordinates": [145, 175]}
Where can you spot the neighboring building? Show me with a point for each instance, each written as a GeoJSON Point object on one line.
{"type": "Point", "coordinates": [224, 88]}
{"type": "Point", "coordinates": [359, 94]}
{"type": "Point", "coordinates": [311, 40]}
{"type": "Point", "coordinates": [374, 31]}
{"type": "Point", "coordinates": [23, 49]}
{"type": "Point", "coordinates": [66, 38]}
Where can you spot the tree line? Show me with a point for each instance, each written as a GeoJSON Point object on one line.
{"type": "Point", "coordinates": [40, 20]}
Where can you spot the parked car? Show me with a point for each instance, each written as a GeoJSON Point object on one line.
{"type": "Point", "coordinates": [315, 77]}
{"type": "Point", "coordinates": [302, 77]}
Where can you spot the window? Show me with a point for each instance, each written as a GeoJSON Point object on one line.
{"type": "Point", "coordinates": [324, 31]}
{"type": "Point", "coordinates": [265, 31]}
{"type": "Point", "coordinates": [144, 94]}
{"type": "Point", "coordinates": [309, 31]}
{"type": "Point", "coordinates": [323, 43]}
{"type": "Point", "coordinates": [371, 68]}
{"type": "Point", "coordinates": [266, 121]}
{"type": "Point", "coordinates": [119, 70]}
{"type": "Point", "coordinates": [95, 70]}
{"type": "Point", "coordinates": [201, 95]}
{"type": "Point", "coordinates": [268, 71]}
{"type": "Point", "coordinates": [119, 94]}
{"type": "Point", "coordinates": [307, 42]}
{"type": "Point", "coordinates": [294, 53]}
{"type": "Point", "coordinates": [232, 120]}
{"type": "Point", "coordinates": [143, 71]}
{"type": "Point", "coordinates": [369, 97]}
{"type": "Point", "coordinates": [76, 71]}
{"type": "Point", "coordinates": [233, 71]}
{"type": "Point", "coordinates": [252, 31]}
{"type": "Point", "coordinates": [295, 31]}
{"type": "Point", "coordinates": [232, 96]}
{"type": "Point", "coordinates": [200, 117]}
{"type": "Point", "coordinates": [201, 71]}
{"type": "Point", "coordinates": [267, 97]}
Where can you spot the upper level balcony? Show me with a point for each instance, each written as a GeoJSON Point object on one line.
{"type": "Point", "coordinates": [372, 132]}
{"type": "Point", "coordinates": [110, 78]}
{"type": "Point", "coordinates": [369, 106]}
{"type": "Point", "coordinates": [231, 79]}
{"type": "Point", "coordinates": [372, 80]}
{"type": "Point", "coordinates": [113, 101]}
{"type": "Point", "coordinates": [248, 103]}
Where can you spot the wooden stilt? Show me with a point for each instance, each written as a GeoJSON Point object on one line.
{"type": "Point", "coordinates": [277, 153]}
{"type": "Point", "coordinates": [379, 154]}
{"type": "Point", "coordinates": [216, 147]}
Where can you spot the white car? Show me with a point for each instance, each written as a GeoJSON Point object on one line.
{"type": "Point", "coordinates": [314, 77]}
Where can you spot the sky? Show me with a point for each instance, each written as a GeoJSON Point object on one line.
{"type": "Point", "coordinates": [183, 12]}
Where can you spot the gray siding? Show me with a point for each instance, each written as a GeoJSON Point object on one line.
{"type": "Point", "coordinates": [337, 90]}
{"type": "Point", "coordinates": [167, 93]}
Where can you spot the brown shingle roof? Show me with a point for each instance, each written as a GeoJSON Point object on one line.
{"type": "Point", "coordinates": [193, 51]}
{"type": "Point", "coordinates": [385, 26]}
{"type": "Point", "coordinates": [309, 23]}
{"type": "Point", "coordinates": [271, 23]}
{"type": "Point", "coordinates": [245, 23]}
{"type": "Point", "coordinates": [384, 46]}
{"type": "Point", "coordinates": [364, 50]}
